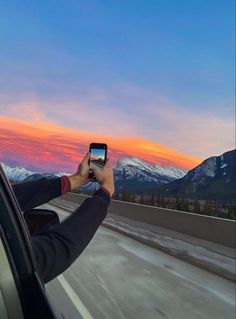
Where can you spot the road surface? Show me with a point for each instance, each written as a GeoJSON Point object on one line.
{"type": "Point", "coordinates": [117, 277]}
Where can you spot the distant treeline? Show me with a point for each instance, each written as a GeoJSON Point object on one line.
{"type": "Point", "coordinates": [217, 208]}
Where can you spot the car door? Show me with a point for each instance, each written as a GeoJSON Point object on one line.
{"type": "Point", "coordinates": [22, 293]}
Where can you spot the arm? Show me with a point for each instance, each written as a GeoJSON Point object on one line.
{"type": "Point", "coordinates": [57, 248]}
{"type": "Point", "coordinates": [35, 193]}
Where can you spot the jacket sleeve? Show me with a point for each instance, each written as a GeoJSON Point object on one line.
{"type": "Point", "coordinates": [57, 248]}
{"type": "Point", "coordinates": [38, 192]}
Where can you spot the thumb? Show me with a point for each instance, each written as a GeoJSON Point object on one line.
{"type": "Point", "coordinates": [86, 158]}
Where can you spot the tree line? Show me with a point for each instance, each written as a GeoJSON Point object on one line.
{"type": "Point", "coordinates": [208, 207]}
{"type": "Point", "coordinates": [216, 208]}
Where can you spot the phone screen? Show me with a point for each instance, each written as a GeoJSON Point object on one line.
{"type": "Point", "coordinates": [97, 158]}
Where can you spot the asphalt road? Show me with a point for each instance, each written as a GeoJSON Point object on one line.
{"type": "Point", "coordinates": [118, 277]}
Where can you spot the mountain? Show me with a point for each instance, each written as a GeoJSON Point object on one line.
{"type": "Point", "coordinates": [135, 174]}
{"type": "Point", "coordinates": [16, 174]}
{"type": "Point", "coordinates": [130, 174]}
{"type": "Point", "coordinates": [19, 174]}
{"type": "Point", "coordinates": [214, 178]}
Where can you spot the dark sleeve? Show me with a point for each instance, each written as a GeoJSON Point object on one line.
{"type": "Point", "coordinates": [38, 192]}
{"type": "Point", "coordinates": [57, 248]}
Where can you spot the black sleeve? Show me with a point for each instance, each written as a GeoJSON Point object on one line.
{"type": "Point", "coordinates": [57, 248]}
{"type": "Point", "coordinates": [38, 192]}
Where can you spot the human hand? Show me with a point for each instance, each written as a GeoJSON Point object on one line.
{"type": "Point", "coordinates": [105, 177]}
{"type": "Point", "coordinates": [81, 176]}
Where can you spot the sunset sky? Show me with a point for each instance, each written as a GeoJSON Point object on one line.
{"type": "Point", "coordinates": [153, 79]}
{"type": "Point", "coordinates": [56, 149]}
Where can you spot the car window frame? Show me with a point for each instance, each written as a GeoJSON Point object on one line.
{"type": "Point", "coordinates": [21, 257]}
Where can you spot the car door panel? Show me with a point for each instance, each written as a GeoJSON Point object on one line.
{"type": "Point", "coordinates": [22, 275]}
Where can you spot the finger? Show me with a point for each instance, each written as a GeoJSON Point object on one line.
{"type": "Point", "coordinates": [86, 158]}
{"type": "Point", "coordinates": [97, 172]}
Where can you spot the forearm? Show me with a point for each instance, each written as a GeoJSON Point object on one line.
{"type": "Point", "coordinates": [35, 193]}
{"type": "Point", "coordinates": [56, 249]}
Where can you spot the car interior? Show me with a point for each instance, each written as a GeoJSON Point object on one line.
{"type": "Point", "coordinates": [10, 306]}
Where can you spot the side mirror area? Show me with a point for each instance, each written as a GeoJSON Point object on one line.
{"type": "Point", "coordinates": [38, 220]}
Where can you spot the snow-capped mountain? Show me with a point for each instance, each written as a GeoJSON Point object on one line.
{"type": "Point", "coordinates": [135, 165]}
{"type": "Point", "coordinates": [19, 174]}
{"type": "Point", "coordinates": [134, 173]}
{"type": "Point", "coordinates": [16, 174]}
{"type": "Point", "coordinates": [213, 178]}
{"type": "Point", "coordinates": [130, 174]}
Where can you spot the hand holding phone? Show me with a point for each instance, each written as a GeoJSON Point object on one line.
{"type": "Point", "coordinates": [98, 158]}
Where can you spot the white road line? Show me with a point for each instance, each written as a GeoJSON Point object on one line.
{"type": "Point", "coordinates": [83, 311]}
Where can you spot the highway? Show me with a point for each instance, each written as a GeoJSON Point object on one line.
{"type": "Point", "coordinates": [117, 277]}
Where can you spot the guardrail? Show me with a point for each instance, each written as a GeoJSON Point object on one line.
{"type": "Point", "coordinates": [214, 229]}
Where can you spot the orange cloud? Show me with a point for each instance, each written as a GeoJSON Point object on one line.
{"type": "Point", "coordinates": [48, 147]}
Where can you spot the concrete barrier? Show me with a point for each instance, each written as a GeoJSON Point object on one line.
{"type": "Point", "coordinates": [214, 229]}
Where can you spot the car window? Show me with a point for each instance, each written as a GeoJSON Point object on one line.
{"type": "Point", "coordinates": [10, 307]}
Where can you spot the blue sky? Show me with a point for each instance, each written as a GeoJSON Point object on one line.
{"type": "Point", "coordinates": [162, 70]}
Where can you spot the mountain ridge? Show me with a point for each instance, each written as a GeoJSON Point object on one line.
{"type": "Point", "coordinates": [20, 174]}
{"type": "Point", "coordinates": [214, 178]}
{"type": "Point", "coordinates": [132, 171]}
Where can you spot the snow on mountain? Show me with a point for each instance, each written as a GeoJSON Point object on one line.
{"type": "Point", "coordinates": [130, 173]}
{"type": "Point", "coordinates": [135, 173]}
{"type": "Point", "coordinates": [19, 174]}
{"type": "Point", "coordinates": [16, 174]}
{"type": "Point", "coordinates": [213, 178]}
{"type": "Point", "coordinates": [207, 168]}
{"type": "Point", "coordinates": [62, 174]}
{"type": "Point", "coordinates": [133, 164]}
{"type": "Point", "coordinates": [214, 166]}
{"type": "Point", "coordinates": [171, 171]}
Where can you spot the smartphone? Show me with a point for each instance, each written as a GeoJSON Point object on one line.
{"type": "Point", "coordinates": [98, 157]}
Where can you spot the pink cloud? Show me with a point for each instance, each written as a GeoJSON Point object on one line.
{"type": "Point", "coordinates": [144, 114]}
{"type": "Point", "coordinates": [53, 148]}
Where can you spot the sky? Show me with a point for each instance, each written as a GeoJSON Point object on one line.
{"type": "Point", "coordinates": [54, 149]}
{"type": "Point", "coordinates": [156, 71]}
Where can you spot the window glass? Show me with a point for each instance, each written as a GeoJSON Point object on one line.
{"type": "Point", "coordinates": [10, 307]}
